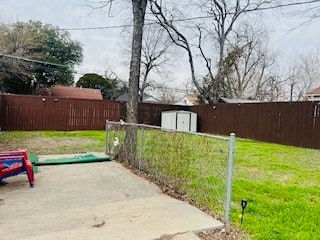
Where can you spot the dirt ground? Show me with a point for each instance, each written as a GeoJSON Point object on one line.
{"type": "Point", "coordinates": [47, 145]}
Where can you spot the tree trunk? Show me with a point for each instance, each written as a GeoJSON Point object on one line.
{"type": "Point", "coordinates": [127, 153]}
{"type": "Point", "coordinates": [139, 8]}
{"type": "Point", "coordinates": [219, 80]}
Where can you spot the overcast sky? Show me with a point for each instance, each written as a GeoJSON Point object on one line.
{"type": "Point", "coordinates": [101, 47]}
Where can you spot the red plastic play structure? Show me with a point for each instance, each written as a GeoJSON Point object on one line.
{"type": "Point", "coordinates": [15, 162]}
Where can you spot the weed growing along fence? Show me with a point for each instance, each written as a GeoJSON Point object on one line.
{"type": "Point", "coordinates": [190, 163]}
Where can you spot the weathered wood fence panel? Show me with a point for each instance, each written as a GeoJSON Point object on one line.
{"type": "Point", "coordinates": [21, 112]}
{"type": "Point", "coordinates": [49, 113]}
{"type": "Point", "coordinates": [296, 124]}
{"type": "Point", "coordinates": [151, 113]}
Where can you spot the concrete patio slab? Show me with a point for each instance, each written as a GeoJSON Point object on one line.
{"type": "Point", "coordinates": [93, 201]}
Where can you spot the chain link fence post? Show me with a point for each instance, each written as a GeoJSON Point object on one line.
{"type": "Point", "coordinates": [107, 150]}
{"type": "Point", "coordinates": [229, 177]}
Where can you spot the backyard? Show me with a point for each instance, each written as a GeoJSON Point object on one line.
{"type": "Point", "coordinates": [281, 183]}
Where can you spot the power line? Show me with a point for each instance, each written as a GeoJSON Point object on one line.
{"type": "Point", "coordinates": [152, 22]}
{"type": "Point", "coordinates": [32, 60]}
{"type": "Point", "coordinates": [282, 5]}
{"type": "Point", "coordinates": [95, 28]}
{"type": "Point", "coordinates": [76, 72]}
{"type": "Point", "coordinates": [46, 63]}
{"type": "Point", "coordinates": [41, 62]}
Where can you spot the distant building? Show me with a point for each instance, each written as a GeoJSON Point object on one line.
{"type": "Point", "coordinates": [70, 92]}
{"type": "Point", "coordinates": [237, 100]}
{"type": "Point", "coordinates": [313, 95]}
{"type": "Point", "coordinates": [188, 100]}
{"type": "Point", "coordinates": [146, 98]}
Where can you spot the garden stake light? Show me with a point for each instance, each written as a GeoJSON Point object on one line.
{"type": "Point", "coordinates": [244, 203]}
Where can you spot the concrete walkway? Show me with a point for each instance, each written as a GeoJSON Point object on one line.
{"type": "Point", "coordinates": [94, 201]}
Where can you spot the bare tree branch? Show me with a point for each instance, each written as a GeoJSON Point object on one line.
{"type": "Point", "coordinates": [175, 35]}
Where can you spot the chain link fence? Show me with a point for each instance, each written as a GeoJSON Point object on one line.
{"type": "Point", "coordinates": [192, 164]}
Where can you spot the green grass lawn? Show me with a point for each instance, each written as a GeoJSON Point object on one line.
{"type": "Point", "coordinates": [54, 142]}
{"type": "Point", "coordinates": [193, 165]}
{"type": "Point", "coordinates": [281, 183]}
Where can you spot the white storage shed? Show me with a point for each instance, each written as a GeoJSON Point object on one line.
{"type": "Point", "coordinates": [179, 120]}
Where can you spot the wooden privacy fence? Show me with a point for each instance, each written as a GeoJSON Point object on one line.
{"type": "Point", "coordinates": [296, 124]}
{"type": "Point", "coordinates": [150, 113]}
{"type": "Point", "coordinates": [19, 112]}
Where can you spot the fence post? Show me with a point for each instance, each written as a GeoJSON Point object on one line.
{"type": "Point", "coordinates": [229, 177]}
{"type": "Point", "coordinates": [107, 138]}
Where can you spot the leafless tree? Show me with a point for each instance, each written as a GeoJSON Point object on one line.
{"type": "Point", "coordinates": [291, 77]}
{"type": "Point", "coordinates": [224, 18]}
{"type": "Point", "coordinates": [156, 56]}
{"type": "Point", "coordinates": [138, 9]}
{"type": "Point", "coordinates": [205, 87]}
{"type": "Point", "coordinates": [166, 94]}
{"type": "Point", "coordinates": [176, 35]}
{"type": "Point", "coordinates": [225, 15]}
{"type": "Point", "coordinates": [249, 74]}
{"type": "Point", "coordinates": [128, 152]}
{"type": "Point", "coordinates": [273, 90]}
{"type": "Point", "coordinates": [246, 66]}
{"type": "Point", "coordinates": [303, 74]}
{"type": "Point", "coordinates": [308, 10]}
{"type": "Point", "coordinates": [18, 42]}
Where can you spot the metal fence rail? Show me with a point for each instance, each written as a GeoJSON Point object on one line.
{"type": "Point", "coordinates": [194, 164]}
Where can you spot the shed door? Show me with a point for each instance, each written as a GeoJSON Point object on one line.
{"type": "Point", "coordinates": [183, 121]}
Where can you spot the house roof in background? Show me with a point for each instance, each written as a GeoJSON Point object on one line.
{"type": "Point", "coordinates": [314, 91]}
{"type": "Point", "coordinates": [71, 92]}
{"type": "Point", "coordinates": [192, 99]}
{"type": "Point", "coordinates": [237, 100]}
{"type": "Point", "coordinates": [146, 98]}
{"type": "Point", "coordinates": [123, 97]}
{"type": "Point", "coordinates": [188, 100]}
